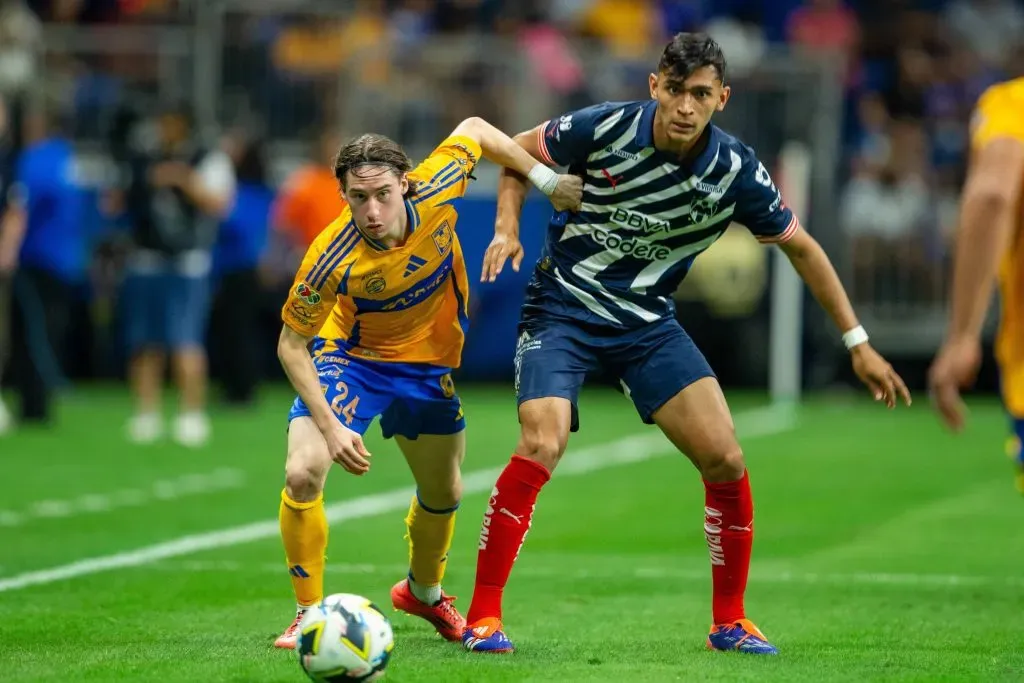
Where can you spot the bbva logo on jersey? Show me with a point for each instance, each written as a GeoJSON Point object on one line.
{"type": "Point", "coordinates": [634, 220]}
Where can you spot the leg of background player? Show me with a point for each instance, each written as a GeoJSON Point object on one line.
{"type": "Point", "coordinates": [698, 423]}
{"type": "Point", "coordinates": [543, 438]}
{"type": "Point", "coordinates": [435, 462]}
{"type": "Point", "coordinates": [302, 518]}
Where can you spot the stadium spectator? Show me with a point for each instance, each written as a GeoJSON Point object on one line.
{"type": "Point", "coordinates": [48, 252]}
{"type": "Point", "coordinates": [175, 197]}
{"type": "Point", "coordinates": [306, 203]}
{"type": "Point", "coordinates": [240, 244]}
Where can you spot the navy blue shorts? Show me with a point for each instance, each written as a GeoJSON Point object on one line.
{"type": "Point", "coordinates": [166, 310]}
{"type": "Point", "coordinates": [654, 362]}
{"type": "Point", "coordinates": [410, 398]}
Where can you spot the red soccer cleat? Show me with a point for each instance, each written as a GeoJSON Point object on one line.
{"type": "Point", "coordinates": [290, 637]}
{"type": "Point", "coordinates": [443, 616]}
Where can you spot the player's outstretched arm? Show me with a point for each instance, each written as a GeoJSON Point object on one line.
{"type": "Point", "coordinates": [816, 270]}
{"type": "Point", "coordinates": [565, 191]}
{"type": "Point", "coordinates": [987, 213]}
{"type": "Point", "coordinates": [512, 190]}
{"type": "Point", "coordinates": [346, 446]}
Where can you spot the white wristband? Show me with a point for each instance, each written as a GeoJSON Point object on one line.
{"type": "Point", "coordinates": [854, 337]}
{"type": "Point", "coordinates": [544, 178]}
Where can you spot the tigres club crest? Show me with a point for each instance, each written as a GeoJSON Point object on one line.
{"type": "Point", "coordinates": [443, 238]}
{"type": "Point", "coordinates": [307, 294]}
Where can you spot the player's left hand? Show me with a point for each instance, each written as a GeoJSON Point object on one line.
{"type": "Point", "coordinates": [955, 368]}
{"type": "Point", "coordinates": [875, 372]}
{"type": "Point", "coordinates": [568, 194]}
{"type": "Point", "coordinates": [502, 248]}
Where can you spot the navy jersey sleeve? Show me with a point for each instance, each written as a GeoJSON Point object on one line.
{"type": "Point", "coordinates": [569, 139]}
{"type": "Point", "coordinates": [759, 205]}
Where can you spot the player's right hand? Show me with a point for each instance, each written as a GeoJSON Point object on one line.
{"type": "Point", "coordinates": [501, 248]}
{"type": "Point", "coordinates": [347, 449]}
{"type": "Point", "coordinates": [955, 368]}
{"type": "Point", "coordinates": [568, 194]}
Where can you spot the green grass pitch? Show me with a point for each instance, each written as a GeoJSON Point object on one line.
{"type": "Point", "coordinates": [886, 549]}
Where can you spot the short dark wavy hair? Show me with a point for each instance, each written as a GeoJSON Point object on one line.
{"type": "Point", "coordinates": [688, 52]}
{"type": "Point", "coordinates": [371, 149]}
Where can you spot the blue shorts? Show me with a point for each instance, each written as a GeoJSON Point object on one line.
{"type": "Point", "coordinates": [410, 398]}
{"type": "Point", "coordinates": [166, 310]}
{"type": "Point", "coordinates": [654, 362]}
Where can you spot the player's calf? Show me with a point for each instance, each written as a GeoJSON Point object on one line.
{"type": "Point", "coordinates": [698, 422]}
{"type": "Point", "coordinates": [302, 518]}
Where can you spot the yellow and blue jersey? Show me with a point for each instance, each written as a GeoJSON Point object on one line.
{"type": "Point", "coordinates": [1000, 115]}
{"type": "Point", "coordinates": [403, 305]}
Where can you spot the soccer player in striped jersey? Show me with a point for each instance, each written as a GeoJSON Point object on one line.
{"type": "Point", "coordinates": [381, 298]}
{"type": "Point", "coordinates": [990, 249]}
{"type": "Point", "coordinates": [661, 185]}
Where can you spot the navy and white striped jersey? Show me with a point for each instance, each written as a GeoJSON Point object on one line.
{"type": "Point", "coordinates": [644, 216]}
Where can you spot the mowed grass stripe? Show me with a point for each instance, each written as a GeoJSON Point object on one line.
{"type": "Point", "coordinates": [630, 449]}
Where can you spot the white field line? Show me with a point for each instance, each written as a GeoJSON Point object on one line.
{"type": "Point", "coordinates": [640, 573]}
{"type": "Point", "coordinates": [183, 486]}
{"type": "Point", "coordinates": [631, 449]}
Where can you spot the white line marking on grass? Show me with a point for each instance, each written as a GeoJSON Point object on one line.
{"type": "Point", "coordinates": [631, 449]}
{"type": "Point", "coordinates": [631, 573]}
{"type": "Point", "coordinates": [186, 485]}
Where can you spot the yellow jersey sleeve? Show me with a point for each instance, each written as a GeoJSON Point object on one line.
{"type": "Point", "coordinates": [999, 114]}
{"type": "Point", "coordinates": [314, 292]}
{"type": "Point", "coordinates": [446, 173]}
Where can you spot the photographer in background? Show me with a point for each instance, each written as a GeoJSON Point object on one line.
{"type": "Point", "coordinates": [175, 196]}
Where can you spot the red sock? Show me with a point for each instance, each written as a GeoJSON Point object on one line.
{"type": "Point", "coordinates": [729, 529]}
{"type": "Point", "coordinates": [506, 521]}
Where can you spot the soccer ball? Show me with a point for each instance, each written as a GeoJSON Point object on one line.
{"type": "Point", "coordinates": [344, 638]}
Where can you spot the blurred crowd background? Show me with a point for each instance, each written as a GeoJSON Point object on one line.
{"type": "Point", "coordinates": [879, 93]}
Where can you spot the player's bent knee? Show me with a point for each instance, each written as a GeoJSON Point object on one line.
{"type": "Point", "coordinates": [724, 465]}
{"type": "Point", "coordinates": [305, 472]}
{"type": "Point", "coordinates": [442, 498]}
{"type": "Point", "coordinates": [544, 447]}
{"type": "Point", "coordinates": [545, 430]}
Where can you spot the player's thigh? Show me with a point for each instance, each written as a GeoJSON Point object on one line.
{"type": "Point", "coordinates": [552, 360]}
{"type": "Point", "coordinates": [435, 461]}
{"type": "Point", "coordinates": [308, 460]}
{"type": "Point", "coordinates": [698, 422]}
{"type": "Point", "coordinates": [353, 395]}
{"type": "Point", "coordinates": [671, 385]}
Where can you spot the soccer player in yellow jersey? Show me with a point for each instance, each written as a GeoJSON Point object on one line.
{"type": "Point", "coordinates": [990, 247]}
{"type": "Point", "coordinates": [381, 301]}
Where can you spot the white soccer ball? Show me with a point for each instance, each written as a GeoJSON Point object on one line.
{"type": "Point", "coordinates": [344, 638]}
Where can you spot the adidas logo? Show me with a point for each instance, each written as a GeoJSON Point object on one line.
{"type": "Point", "coordinates": [415, 263]}
{"type": "Point", "coordinates": [298, 572]}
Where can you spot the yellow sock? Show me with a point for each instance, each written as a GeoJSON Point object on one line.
{"type": "Point", "coordinates": [430, 537]}
{"type": "Point", "coordinates": [304, 532]}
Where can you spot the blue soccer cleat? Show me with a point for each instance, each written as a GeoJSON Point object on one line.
{"type": "Point", "coordinates": [741, 636]}
{"type": "Point", "coordinates": [485, 635]}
